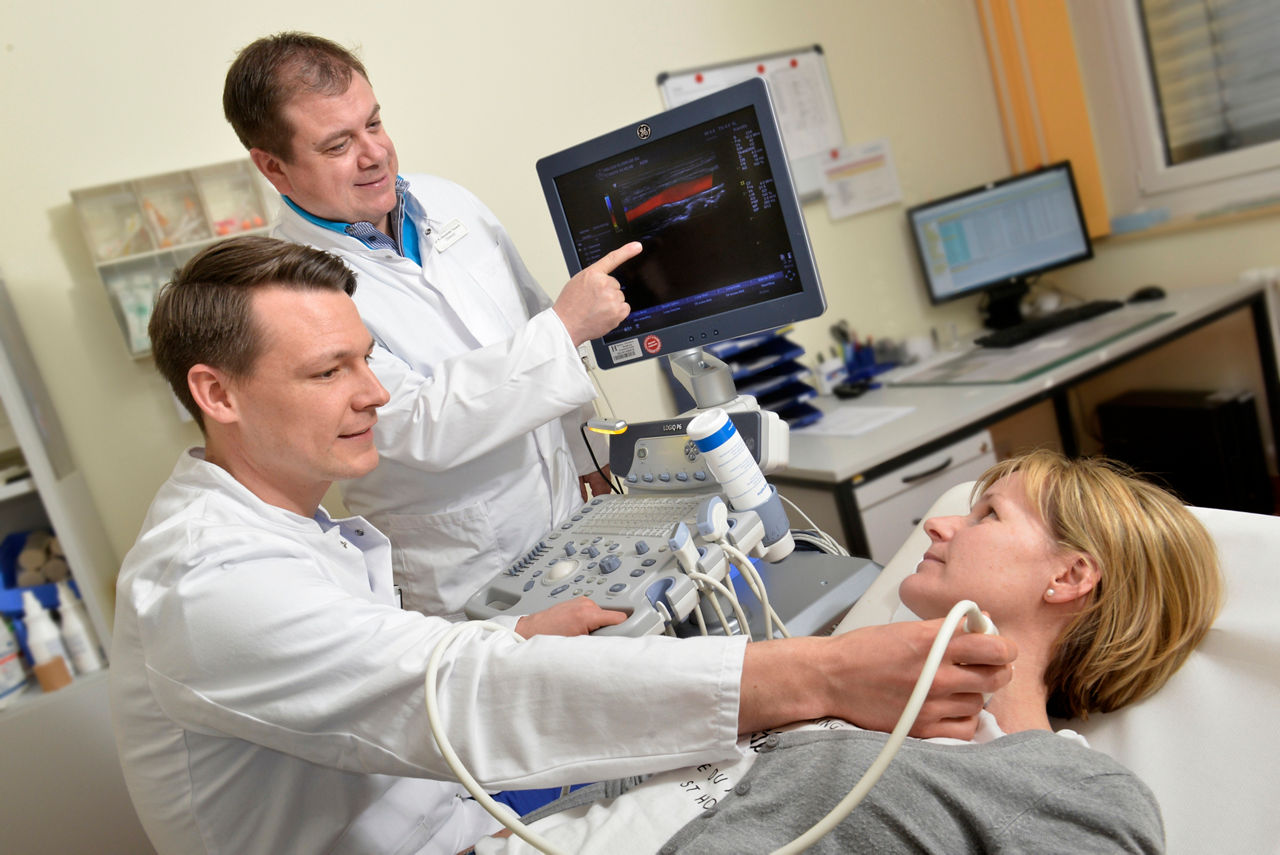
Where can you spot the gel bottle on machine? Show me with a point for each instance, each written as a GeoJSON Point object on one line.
{"type": "Point", "coordinates": [741, 480]}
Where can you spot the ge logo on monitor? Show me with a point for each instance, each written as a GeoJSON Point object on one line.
{"type": "Point", "coordinates": [643, 132]}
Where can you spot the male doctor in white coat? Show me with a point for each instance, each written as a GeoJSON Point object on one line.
{"type": "Point", "coordinates": [267, 691]}
{"type": "Point", "coordinates": [481, 442]}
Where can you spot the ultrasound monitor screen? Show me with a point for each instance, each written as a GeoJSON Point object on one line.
{"type": "Point", "coordinates": [708, 195]}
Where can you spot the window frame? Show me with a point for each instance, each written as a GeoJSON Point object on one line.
{"type": "Point", "coordinates": [1113, 36]}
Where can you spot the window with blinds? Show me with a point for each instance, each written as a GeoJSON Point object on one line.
{"type": "Point", "coordinates": [1215, 69]}
{"type": "Point", "coordinates": [1185, 101]}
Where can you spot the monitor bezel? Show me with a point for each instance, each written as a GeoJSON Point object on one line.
{"type": "Point", "coordinates": [1006, 282]}
{"type": "Point", "coordinates": [809, 302]}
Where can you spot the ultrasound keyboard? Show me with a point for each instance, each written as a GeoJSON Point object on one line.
{"type": "Point", "coordinates": [1036, 327]}
{"type": "Point", "coordinates": [614, 550]}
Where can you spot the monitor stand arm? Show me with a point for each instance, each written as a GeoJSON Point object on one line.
{"type": "Point", "coordinates": [710, 381]}
{"type": "Point", "coordinates": [707, 377]}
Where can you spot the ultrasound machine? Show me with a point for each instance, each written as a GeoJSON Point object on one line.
{"type": "Point", "coordinates": [706, 188]}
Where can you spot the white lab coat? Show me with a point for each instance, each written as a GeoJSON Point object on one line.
{"type": "Point", "coordinates": [480, 443]}
{"type": "Point", "coordinates": [267, 696]}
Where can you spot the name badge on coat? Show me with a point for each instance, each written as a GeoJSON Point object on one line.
{"type": "Point", "coordinates": [452, 232]}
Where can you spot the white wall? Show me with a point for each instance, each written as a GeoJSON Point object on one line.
{"type": "Point", "coordinates": [476, 92]}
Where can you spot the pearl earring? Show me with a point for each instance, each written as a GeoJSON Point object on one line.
{"type": "Point", "coordinates": [1049, 593]}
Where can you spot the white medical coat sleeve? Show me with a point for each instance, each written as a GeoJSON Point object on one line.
{"type": "Point", "coordinates": [536, 300]}
{"type": "Point", "coordinates": [262, 647]}
{"type": "Point", "coordinates": [471, 351]}
{"type": "Point", "coordinates": [478, 401]}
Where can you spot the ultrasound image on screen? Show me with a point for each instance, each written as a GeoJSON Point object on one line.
{"type": "Point", "coordinates": [703, 203]}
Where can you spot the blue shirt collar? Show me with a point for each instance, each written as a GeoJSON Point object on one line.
{"type": "Point", "coordinates": [331, 225]}
{"type": "Point", "coordinates": [408, 233]}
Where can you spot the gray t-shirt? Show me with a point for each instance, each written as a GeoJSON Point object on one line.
{"type": "Point", "coordinates": [1027, 792]}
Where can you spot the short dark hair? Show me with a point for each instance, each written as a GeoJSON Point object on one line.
{"type": "Point", "coordinates": [203, 316]}
{"type": "Point", "coordinates": [267, 74]}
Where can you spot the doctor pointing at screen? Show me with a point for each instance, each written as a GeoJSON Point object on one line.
{"type": "Point", "coordinates": [481, 445]}
{"type": "Point", "coordinates": [267, 694]}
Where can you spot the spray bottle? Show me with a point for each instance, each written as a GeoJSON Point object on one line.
{"type": "Point", "coordinates": [52, 665]}
{"type": "Point", "coordinates": [77, 634]}
{"type": "Point", "coordinates": [13, 680]}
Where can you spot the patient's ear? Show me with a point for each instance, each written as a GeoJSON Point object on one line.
{"type": "Point", "coordinates": [211, 391]}
{"type": "Point", "coordinates": [1076, 578]}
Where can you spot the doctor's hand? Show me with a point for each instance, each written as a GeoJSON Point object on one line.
{"type": "Point", "coordinates": [867, 675]}
{"type": "Point", "coordinates": [591, 303]}
{"type": "Point", "coordinates": [972, 665]}
{"type": "Point", "coordinates": [575, 617]}
{"type": "Point", "coordinates": [594, 484]}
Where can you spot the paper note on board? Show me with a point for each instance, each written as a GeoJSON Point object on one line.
{"type": "Point", "coordinates": [857, 178]}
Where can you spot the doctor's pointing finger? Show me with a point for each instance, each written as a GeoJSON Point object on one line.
{"type": "Point", "coordinates": [592, 302]}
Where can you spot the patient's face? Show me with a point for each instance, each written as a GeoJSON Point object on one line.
{"type": "Point", "coordinates": [1001, 555]}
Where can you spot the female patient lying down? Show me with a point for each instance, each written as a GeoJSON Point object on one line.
{"type": "Point", "coordinates": [1105, 583]}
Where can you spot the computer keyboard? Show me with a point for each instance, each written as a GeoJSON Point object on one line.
{"type": "Point", "coordinates": [1036, 327]}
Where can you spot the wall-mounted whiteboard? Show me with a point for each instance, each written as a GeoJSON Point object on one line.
{"type": "Point", "coordinates": [802, 97]}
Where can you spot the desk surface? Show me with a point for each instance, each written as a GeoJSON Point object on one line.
{"type": "Point", "coordinates": [938, 411]}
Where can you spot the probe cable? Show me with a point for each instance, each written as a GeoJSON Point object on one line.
{"type": "Point", "coordinates": [752, 577]}
{"type": "Point", "coordinates": [976, 622]}
{"type": "Point", "coordinates": [502, 814]}
{"type": "Point", "coordinates": [718, 587]}
{"type": "Point", "coordinates": [614, 485]}
{"type": "Point", "coordinates": [818, 536]}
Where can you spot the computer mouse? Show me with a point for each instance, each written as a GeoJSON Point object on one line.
{"type": "Point", "coordinates": [1147, 292]}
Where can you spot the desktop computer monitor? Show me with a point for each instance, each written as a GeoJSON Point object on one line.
{"type": "Point", "coordinates": [706, 188]}
{"type": "Point", "coordinates": [997, 238]}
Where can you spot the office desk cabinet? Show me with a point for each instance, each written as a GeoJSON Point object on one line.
{"type": "Point", "coordinates": [829, 476]}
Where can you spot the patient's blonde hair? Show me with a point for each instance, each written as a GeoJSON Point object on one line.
{"type": "Point", "coordinates": [1160, 586]}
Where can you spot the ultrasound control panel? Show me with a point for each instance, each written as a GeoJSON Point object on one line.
{"type": "Point", "coordinates": [613, 550]}
{"type": "Point", "coordinates": [659, 457]}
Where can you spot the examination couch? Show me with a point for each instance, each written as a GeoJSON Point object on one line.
{"type": "Point", "coordinates": [1208, 743]}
